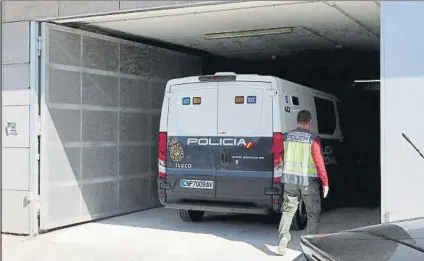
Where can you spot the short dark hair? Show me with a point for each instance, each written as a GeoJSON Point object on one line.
{"type": "Point", "coordinates": [304, 116]}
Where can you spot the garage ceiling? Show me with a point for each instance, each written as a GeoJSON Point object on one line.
{"type": "Point", "coordinates": [317, 25]}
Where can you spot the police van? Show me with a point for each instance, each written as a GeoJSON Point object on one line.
{"type": "Point", "coordinates": [221, 135]}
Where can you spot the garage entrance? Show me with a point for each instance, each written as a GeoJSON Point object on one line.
{"type": "Point", "coordinates": [101, 95]}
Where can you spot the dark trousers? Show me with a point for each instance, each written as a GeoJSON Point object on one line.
{"type": "Point", "coordinates": [312, 198]}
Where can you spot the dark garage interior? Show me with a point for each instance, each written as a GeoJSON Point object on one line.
{"type": "Point", "coordinates": [335, 71]}
{"type": "Point", "coordinates": [331, 46]}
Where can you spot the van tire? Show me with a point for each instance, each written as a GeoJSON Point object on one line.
{"type": "Point", "coordinates": [300, 219]}
{"type": "Point", "coordinates": [191, 215]}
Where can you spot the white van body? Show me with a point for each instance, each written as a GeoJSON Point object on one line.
{"type": "Point", "coordinates": [272, 89]}
{"type": "Point", "coordinates": [224, 161]}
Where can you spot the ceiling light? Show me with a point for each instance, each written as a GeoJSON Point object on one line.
{"type": "Point", "coordinates": [359, 81]}
{"type": "Point", "coordinates": [247, 33]}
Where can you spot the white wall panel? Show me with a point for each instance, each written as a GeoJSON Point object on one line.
{"type": "Point", "coordinates": [402, 93]}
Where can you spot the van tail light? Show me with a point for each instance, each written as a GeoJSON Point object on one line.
{"type": "Point", "coordinates": [277, 151]}
{"type": "Point", "coordinates": [162, 155]}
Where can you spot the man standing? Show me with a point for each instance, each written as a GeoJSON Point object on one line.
{"type": "Point", "coordinates": [303, 168]}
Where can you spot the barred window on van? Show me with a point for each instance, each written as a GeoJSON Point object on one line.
{"type": "Point", "coordinates": [326, 115]}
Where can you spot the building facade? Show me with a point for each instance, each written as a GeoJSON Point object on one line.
{"type": "Point", "coordinates": [402, 78]}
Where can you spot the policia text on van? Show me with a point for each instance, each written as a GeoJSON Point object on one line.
{"type": "Point", "coordinates": [217, 138]}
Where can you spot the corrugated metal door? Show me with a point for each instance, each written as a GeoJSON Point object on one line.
{"type": "Point", "coordinates": [100, 104]}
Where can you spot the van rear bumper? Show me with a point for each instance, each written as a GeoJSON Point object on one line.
{"type": "Point", "coordinates": [219, 208]}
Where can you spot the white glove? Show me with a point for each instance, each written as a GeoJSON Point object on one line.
{"type": "Point", "coordinates": [325, 190]}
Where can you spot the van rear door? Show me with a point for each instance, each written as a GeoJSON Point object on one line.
{"type": "Point", "coordinates": [245, 127]}
{"type": "Point", "coordinates": [192, 118]}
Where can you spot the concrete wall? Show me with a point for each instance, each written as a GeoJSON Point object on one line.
{"type": "Point", "coordinates": [19, 180]}
{"type": "Point", "coordinates": [402, 106]}
{"type": "Point", "coordinates": [16, 182]}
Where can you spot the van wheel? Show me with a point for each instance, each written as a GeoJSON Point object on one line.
{"type": "Point", "coordinates": [300, 219]}
{"type": "Point", "coordinates": [191, 215]}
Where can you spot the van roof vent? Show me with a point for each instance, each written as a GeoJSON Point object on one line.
{"type": "Point", "coordinates": [225, 73]}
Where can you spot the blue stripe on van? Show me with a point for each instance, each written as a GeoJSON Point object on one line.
{"type": "Point", "coordinates": [244, 153]}
{"type": "Point", "coordinates": [173, 171]}
{"type": "Point", "coordinates": [243, 174]}
{"type": "Point", "coordinates": [219, 173]}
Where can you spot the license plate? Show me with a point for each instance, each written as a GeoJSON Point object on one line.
{"type": "Point", "coordinates": [199, 184]}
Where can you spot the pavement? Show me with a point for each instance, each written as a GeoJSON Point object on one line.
{"type": "Point", "coordinates": [159, 234]}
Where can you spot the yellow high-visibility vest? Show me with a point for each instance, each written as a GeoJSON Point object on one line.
{"type": "Point", "coordinates": [298, 164]}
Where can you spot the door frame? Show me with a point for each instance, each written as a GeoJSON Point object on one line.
{"type": "Point", "coordinates": [35, 131]}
